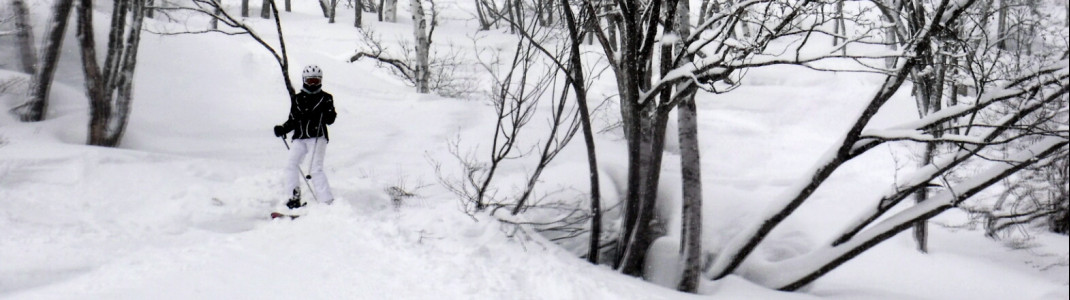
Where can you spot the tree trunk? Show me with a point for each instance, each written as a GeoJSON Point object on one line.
{"type": "Point", "coordinates": [929, 93]}
{"type": "Point", "coordinates": [125, 82]}
{"type": "Point", "coordinates": [889, 38]}
{"type": "Point", "coordinates": [628, 84]}
{"type": "Point", "coordinates": [612, 21]}
{"type": "Point", "coordinates": [921, 231]}
{"type": "Point", "coordinates": [629, 78]}
{"type": "Point", "coordinates": [115, 41]}
{"type": "Point", "coordinates": [34, 110]}
{"type": "Point", "coordinates": [325, 8]}
{"type": "Point", "coordinates": [24, 37]}
{"type": "Point", "coordinates": [245, 8]}
{"type": "Point", "coordinates": [690, 167]}
{"type": "Point", "coordinates": [653, 117]}
{"type": "Point", "coordinates": [423, 45]}
{"type": "Point", "coordinates": [481, 16]}
{"type": "Point", "coordinates": [265, 9]}
{"type": "Point", "coordinates": [645, 227]}
{"type": "Point", "coordinates": [334, 9]}
{"type": "Point", "coordinates": [108, 118]}
{"type": "Point", "coordinates": [1001, 29]}
{"type": "Point", "coordinates": [287, 5]}
{"type": "Point", "coordinates": [512, 16]}
{"type": "Point", "coordinates": [580, 90]}
{"type": "Point", "coordinates": [100, 105]}
{"type": "Point", "coordinates": [546, 12]}
{"type": "Point", "coordinates": [691, 171]}
{"type": "Point", "coordinates": [358, 7]}
{"type": "Point", "coordinates": [390, 11]}
{"type": "Point", "coordinates": [214, 23]}
{"type": "Point", "coordinates": [840, 26]}
{"type": "Point", "coordinates": [94, 79]}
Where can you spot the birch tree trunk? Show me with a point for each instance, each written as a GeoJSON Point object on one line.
{"type": "Point", "coordinates": [423, 45]}
{"type": "Point", "coordinates": [390, 11]}
{"type": "Point", "coordinates": [690, 168]}
{"type": "Point", "coordinates": [24, 37]}
{"type": "Point", "coordinates": [34, 110]}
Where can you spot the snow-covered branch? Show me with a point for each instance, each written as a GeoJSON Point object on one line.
{"type": "Point", "coordinates": [800, 271]}
{"type": "Point", "coordinates": [915, 130]}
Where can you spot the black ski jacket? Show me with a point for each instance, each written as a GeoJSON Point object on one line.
{"type": "Point", "coordinates": [310, 113]}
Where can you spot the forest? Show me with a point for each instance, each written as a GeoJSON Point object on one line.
{"type": "Point", "coordinates": [686, 143]}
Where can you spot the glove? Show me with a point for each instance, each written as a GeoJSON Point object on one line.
{"type": "Point", "coordinates": [329, 117]}
{"type": "Point", "coordinates": [280, 131]}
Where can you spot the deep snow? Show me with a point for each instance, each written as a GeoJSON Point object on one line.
{"type": "Point", "coordinates": [179, 211]}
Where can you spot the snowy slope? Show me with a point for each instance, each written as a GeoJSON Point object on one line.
{"type": "Point", "coordinates": [178, 212]}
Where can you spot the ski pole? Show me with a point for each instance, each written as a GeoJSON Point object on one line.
{"type": "Point", "coordinates": [312, 160]}
{"type": "Point", "coordinates": [307, 177]}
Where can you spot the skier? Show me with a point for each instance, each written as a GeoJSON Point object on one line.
{"type": "Point", "coordinates": [311, 110]}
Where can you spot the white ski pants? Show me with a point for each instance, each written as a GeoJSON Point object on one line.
{"type": "Point", "coordinates": [318, 149]}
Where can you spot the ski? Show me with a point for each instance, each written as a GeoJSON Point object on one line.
{"type": "Point", "coordinates": [276, 215]}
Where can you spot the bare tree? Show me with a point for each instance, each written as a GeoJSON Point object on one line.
{"type": "Point", "coordinates": [418, 62]}
{"type": "Point", "coordinates": [570, 63]}
{"type": "Point", "coordinates": [928, 78]}
{"type": "Point", "coordinates": [1032, 91]}
{"type": "Point", "coordinates": [34, 109]}
{"type": "Point", "coordinates": [576, 79]}
{"type": "Point", "coordinates": [857, 241]}
{"type": "Point", "coordinates": [652, 82]}
{"type": "Point", "coordinates": [110, 89]}
{"type": "Point", "coordinates": [658, 72]}
{"type": "Point", "coordinates": [738, 249]}
{"type": "Point", "coordinates": [520, 83]}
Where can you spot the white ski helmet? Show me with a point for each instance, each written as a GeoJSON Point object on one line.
{"type": "Point", "coordinates": [312, 71]}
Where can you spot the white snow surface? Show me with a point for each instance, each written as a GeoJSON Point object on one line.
{"type": "Point", "coordinates": [179, 211]}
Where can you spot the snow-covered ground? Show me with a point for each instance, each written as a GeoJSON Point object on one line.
{"type": "Point", "coordinates": [179, 211]}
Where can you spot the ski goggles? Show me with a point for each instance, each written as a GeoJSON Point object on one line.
{"type": "Point", "coordinates": [313, 80]}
